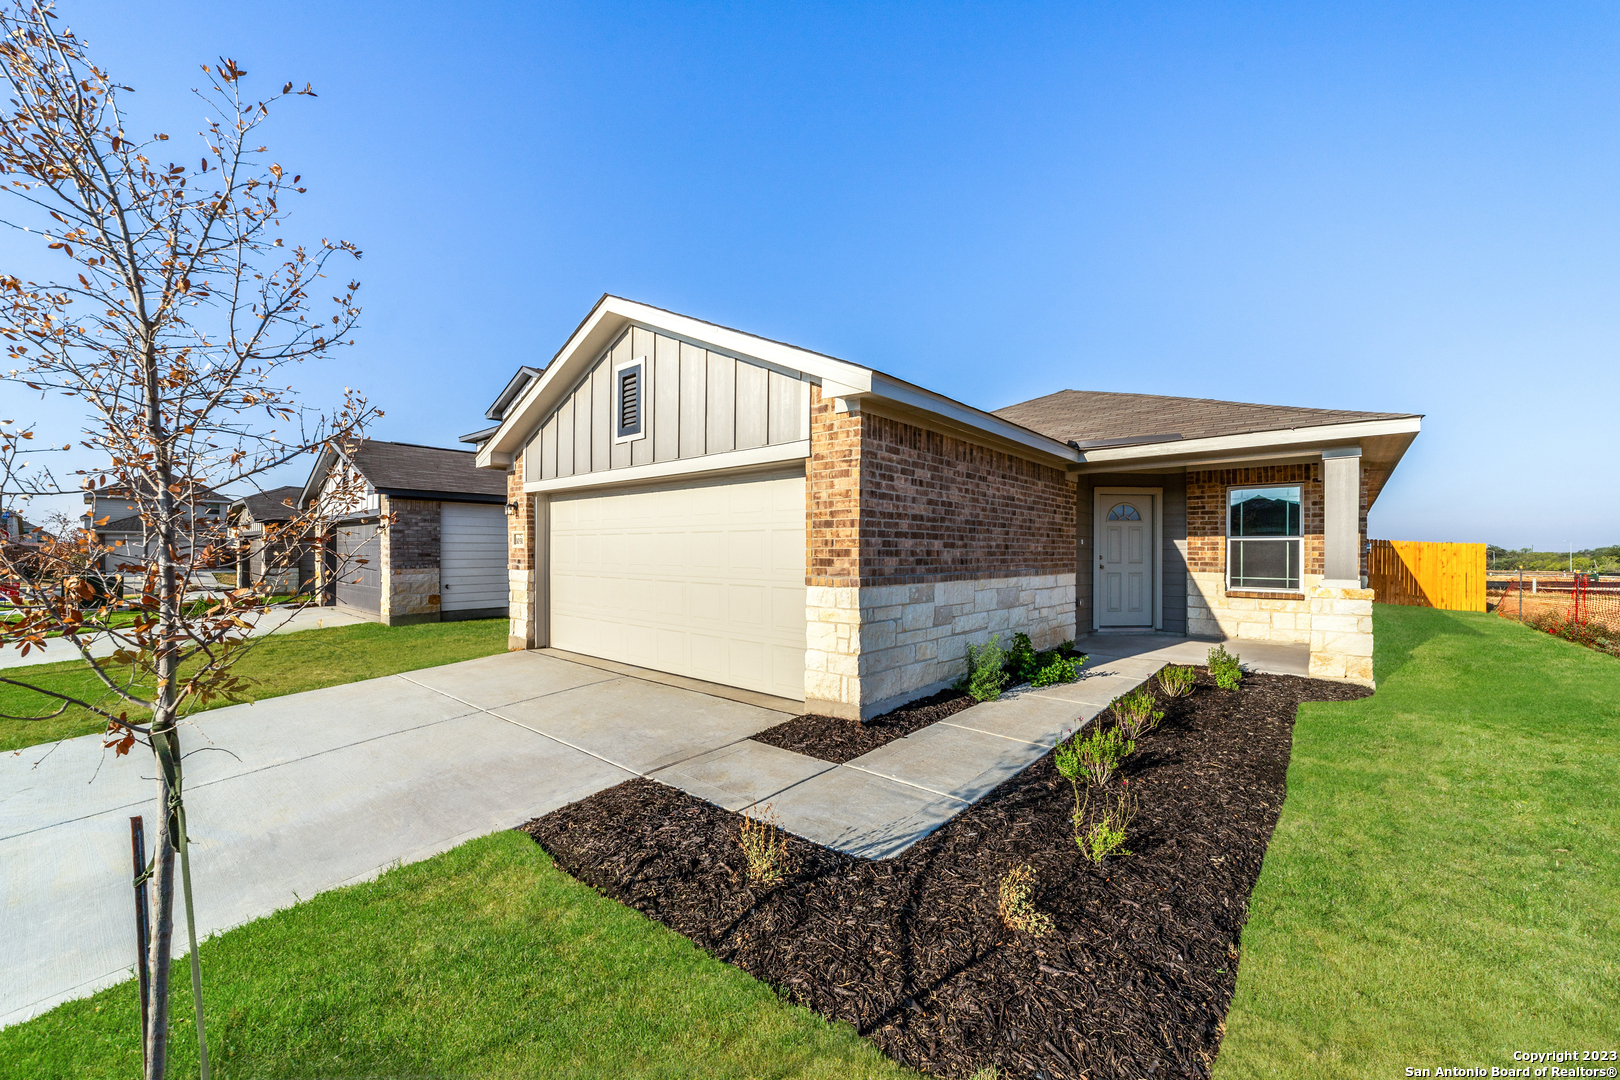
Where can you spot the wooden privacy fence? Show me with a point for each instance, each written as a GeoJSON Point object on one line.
{"type": "Point", "coordinates": [1420, 574]}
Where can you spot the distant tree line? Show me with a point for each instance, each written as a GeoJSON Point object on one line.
{"type": "Point", "coordinates": [1603, 559]}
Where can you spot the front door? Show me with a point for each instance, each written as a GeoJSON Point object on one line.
{"type": "Point", "coordinates": [1125, 561]}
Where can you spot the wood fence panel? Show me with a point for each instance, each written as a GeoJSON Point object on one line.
{"type": "Point", "coordinates": [1421, 574]}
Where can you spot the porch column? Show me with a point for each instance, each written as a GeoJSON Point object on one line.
{"type": "Point", "coordinates": [1341, 518]}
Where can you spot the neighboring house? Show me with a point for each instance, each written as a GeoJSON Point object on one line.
{"type": "Point", "coordinates": [15, 530]}
{"type": "Point", "coordinates": [266, 550]}
{"type": "Point", "coordinates": [113, 516]}
{"type": "Point", "coordinates": [421, 534]}
{"type": "Point", "coordinates": [702, 501]}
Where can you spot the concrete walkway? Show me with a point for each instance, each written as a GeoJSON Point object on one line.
{"type": "Point", "coordinates": [306, 792]}
{"type": "Point", "coordinates": [272, 621]}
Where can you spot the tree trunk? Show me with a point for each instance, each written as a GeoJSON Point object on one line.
{"type": "Point", "coordinates": [166, 751]}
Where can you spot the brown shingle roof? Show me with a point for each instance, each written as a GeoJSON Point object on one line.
{"type": "Point", "coordinates": [273, 505]}
{"type": "Point", "coordinates": [1098, 418]}
{"type": "Point", "coordinates": [429, 470]}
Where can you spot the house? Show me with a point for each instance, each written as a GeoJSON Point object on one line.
{"type": "Point", "coordinates": [419, 533]}
{"type": "Point", "coordinates": [113, 516]}
{"type": "Point", "coordinates": [698, 500]}
{"type": "Point", "coordinates": [267, 552]}
{"type": "Point", "coordinates": [16, 530]}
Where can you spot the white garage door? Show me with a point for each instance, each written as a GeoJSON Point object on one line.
{"type": "Point", "coordinates": [472, 558]}
{"type": "Point", "coordinates": [700, 578]}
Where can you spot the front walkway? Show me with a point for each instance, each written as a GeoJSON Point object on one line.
{"type": "Point", "coordinates": [310, 791]}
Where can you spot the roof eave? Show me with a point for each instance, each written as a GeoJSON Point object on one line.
{"type": "Point", "coordinates": [1219, 448]}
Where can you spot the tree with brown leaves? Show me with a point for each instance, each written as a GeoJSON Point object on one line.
{"type": "Point", "coordinates": [177, 321]}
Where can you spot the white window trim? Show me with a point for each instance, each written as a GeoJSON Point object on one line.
{"type": "Point", "coordinates": [1226, 528]}
{"type": "Point", "coordinates": [642, 385]}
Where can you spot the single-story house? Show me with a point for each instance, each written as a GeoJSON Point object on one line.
{"type": "Point", "coordinates": [112, 515]}
{"type": "Point", "coordinates": [698, 500]}
{"type": "Point", "coordinates": [420, 535]}
{"type": "Point", "coordinates": [266, 550]}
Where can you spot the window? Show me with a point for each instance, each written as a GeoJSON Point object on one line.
{"type": "Point", "coordinates": [629, 400]}
{"type": "Point", "coordinates": [1264, 530]}
{"type": "Point", "coordinates": [1124, 512]}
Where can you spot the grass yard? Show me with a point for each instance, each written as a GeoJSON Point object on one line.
{"type": "Point", "coordinates": [485, 961]}
{"type": "Point", "coordinates": [278, 664]}
{"type": "Point", "coordinates": [1443, 887]}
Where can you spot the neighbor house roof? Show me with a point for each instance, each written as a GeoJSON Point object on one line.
{"type": "Point", "coordinates": [272, 505]}
{"type": "Point", "coordinates": [409, 471]}
{"type": "Point", "coordinates": [1095, 419]}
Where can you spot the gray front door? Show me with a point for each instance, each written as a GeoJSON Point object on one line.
{"type": "Point", "coordinates": [1125, 561]}
{"type": "Point", "coordinates": [359, 568]}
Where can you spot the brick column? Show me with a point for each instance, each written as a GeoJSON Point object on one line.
{"type": "Point", "coordinates": [521, 561]}
{"type": "Point", "coordinates": [410, 562]}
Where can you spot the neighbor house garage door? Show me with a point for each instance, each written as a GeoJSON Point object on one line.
{"type": "Point", "coordinates": [359, 568]}
{"type": "Point", "coordinates": [700, 578]}
{"type": "Point", "coordinates": [472, 560]}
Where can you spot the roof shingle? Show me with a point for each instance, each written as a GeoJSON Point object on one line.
{"type": "Point", "coordinates": [391, 466]}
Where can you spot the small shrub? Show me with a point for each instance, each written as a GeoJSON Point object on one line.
{"type": "Point", "coordinates": [1177, 681]}
{"type": "Point", "coordinates": [1018, 903]}
{"type": "Point", "coordinates": [1058, 669]}
{"type": "Point", "coordinates": [985, 676]}
{"type": "Point", "coordinates": [1135, 714]}
{"type": "Point", "coordinates": [765, 847]}
{"type": "Point", "coordinates": [1101, 823]}
{"type": "Point", "coordinates": [1094, 758]}
{"type": "Point", "coordinates": [1023, 662]}
{"type": "Point", "coordinates": [1224, 668]}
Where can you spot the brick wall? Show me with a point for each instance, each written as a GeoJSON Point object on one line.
{"type": "Point", "coordinates": [832, 493]}
{"type": "Point", "coordinates": [1206, 511]}
{"type": "Point", "coordinates": [520, 526]}
{"type": "Point", "coordinates": [410, 561]}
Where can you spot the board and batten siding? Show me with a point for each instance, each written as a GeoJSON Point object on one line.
{"type": "Point", "coordinates": [697, 402]}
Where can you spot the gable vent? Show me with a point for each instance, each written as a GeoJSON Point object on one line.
{"type": "Point", "coordinates": [629, 405]}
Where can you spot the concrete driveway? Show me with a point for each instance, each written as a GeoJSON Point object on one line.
{"type": "Point", "coordinates": [306, 792]}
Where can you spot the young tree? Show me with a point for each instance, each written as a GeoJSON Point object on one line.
{"type": "Point", "coordinates": [177, 316]}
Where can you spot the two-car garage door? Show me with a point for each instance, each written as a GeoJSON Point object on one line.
{"type": "Point", "coordinates": [703, 578]}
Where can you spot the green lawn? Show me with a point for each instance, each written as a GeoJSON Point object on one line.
{"type": "Point", "coordinates": [278, 664]}
{"type": "Point", "coordinates": [485, 961]}
{"type": "Point", "coordinates": [1444, 884]}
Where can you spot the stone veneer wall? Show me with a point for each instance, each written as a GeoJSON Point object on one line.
{"type": "Point", "coordinates": [918, 544]}
{"type": "Point", "coordinates": [1335, 623]}
{"type": "Point", "coordinates": [410, 561]}
{"type": "Point", "coordinates": [520, 565]}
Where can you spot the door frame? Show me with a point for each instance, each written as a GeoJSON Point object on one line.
{"type": "Point", "coordinates": [1155, 545]}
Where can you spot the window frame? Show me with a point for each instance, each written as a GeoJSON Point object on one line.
{"type": "Point", "coordinates": [622, 434]}
{"type": "Point", "coordinates": [1298, 540]}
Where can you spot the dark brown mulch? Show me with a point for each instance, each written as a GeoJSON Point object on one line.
{"type": "Point", "coordinates": [838, 741]}
{"type": "Point", "coordinates": [1134, 982]}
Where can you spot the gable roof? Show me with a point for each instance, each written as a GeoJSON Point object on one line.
{"type": "Point", "coordinates": [411, 471]}
{"type": "Point", "coordinates": [1095, 419]}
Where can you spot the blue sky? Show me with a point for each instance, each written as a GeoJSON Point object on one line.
{"type": "Point", "coordinates": [1371, 207]}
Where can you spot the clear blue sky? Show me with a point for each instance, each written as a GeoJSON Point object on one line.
{"type": "Point", "coordinates": [1368, 207]}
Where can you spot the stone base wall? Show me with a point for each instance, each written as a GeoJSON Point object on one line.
{"type": "Point", "coordinates": [1335, 623]}
{"type": "Point", "coordinates": [410, 596]}
{"type": "Point", "coordinates": [520, 608]}
{"type": "Point", "coordinates": [874, 648]}
{"type": "Point", "coordinates": [1342, 634]}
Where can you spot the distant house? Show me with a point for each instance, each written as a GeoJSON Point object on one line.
{"type": "Point", "coordinates": [266, 553]}
{"type": "Point", "coordinates": [420, 532]}
{"type": "Point", "coordinates": [14, 529]}
{"type": "Point", "coordinates": [113, 516]}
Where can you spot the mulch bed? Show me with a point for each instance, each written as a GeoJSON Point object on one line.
{"type": "Point", "coordinates": [1134, 982]}
{"type": "Point", "coordinates": [838, 741]}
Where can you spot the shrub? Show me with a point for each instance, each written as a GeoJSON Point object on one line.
{"type": "Point", "coordinates": [1100, 825]}
{"type": "Point", "coordinates": [1135, 714]}
{"type": "Point", "coordinates": [765, 847]}
{"type": "Point", "coordinates": [1058, 669]}
{"type": "Point", "coordinates": [1023, 662]}
{"type": "Point", "coordinates": [1224, 668]}
{"type": "Point", "coordinates": [1094, 758]}
{"type": "Point", "coordinates": [985, 675]}
{"type": "Point", "coordinates": [1177, 681]}
{"type": "Point", "coordinates": [1017, 905]}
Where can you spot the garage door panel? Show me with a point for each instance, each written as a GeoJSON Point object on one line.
{"type": "Point", "coordinates": [704, 579]}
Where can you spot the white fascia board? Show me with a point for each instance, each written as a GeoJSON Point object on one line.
{"type": "Point", "coordinates": [889, 388]}
{"type": "Point", "coordinates": [667, 470]}
{"type": "Point", "coordinates": [1294, 439]}
{"type": "Point", "coordinates": [610, 316]}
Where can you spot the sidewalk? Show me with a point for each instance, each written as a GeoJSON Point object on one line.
{"type": "Point", "coordinates": [271, 621]}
